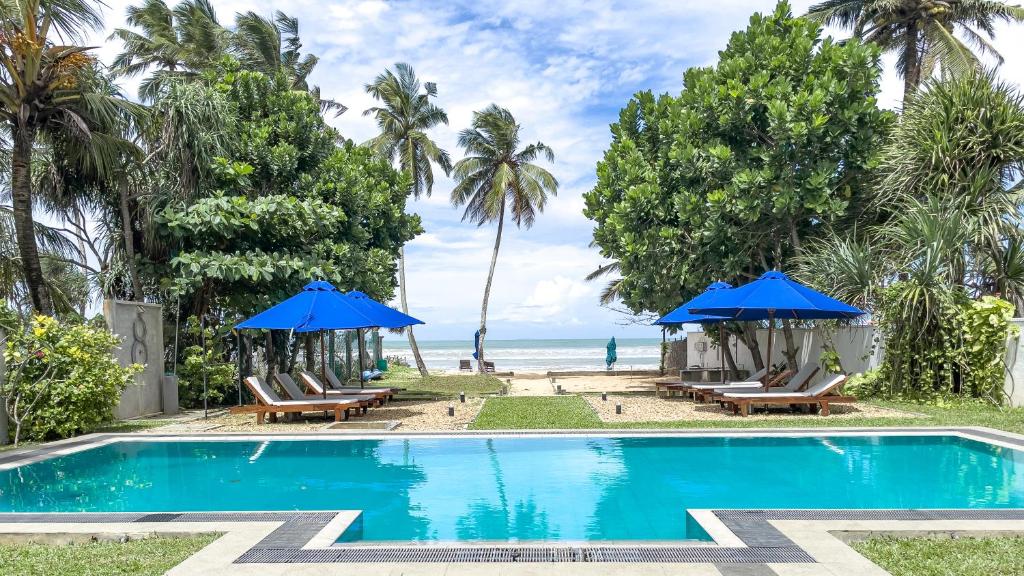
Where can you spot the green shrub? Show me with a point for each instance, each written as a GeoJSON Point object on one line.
{"type": "Point", "coordinates": [221, 377]}
{"type": "Point", "coordinates": [940, 343]}
{"type": "Point", "coordinates": [866, 385]}
{"type": "Point", "coordinates": [986, 324]}
{"type": "Point", "coordinates": [62, 378]}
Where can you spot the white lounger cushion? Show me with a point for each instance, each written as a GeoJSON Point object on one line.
{"type": "Point", "coordinates": [728, 385]}
{"type": "Point", "coordinates": [755, 377]}
{"type": "Point", "coordinates": [270, 398]}
{"type": "Point", "coordinates": [830, 382]}
{"type": "Point", "coordinates": [794, 384]}
{"type": "Point", "coordinates": [314, 383]}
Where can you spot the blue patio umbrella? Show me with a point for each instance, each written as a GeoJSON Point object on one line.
{"type": "Point", "coordinates": [774, 296]}
{"type": "Point", "coordinates": [476, 345]}
{"type": "Point", "coordinates": [319, 307]}
{"type": "Point", "coordinates": [384, 316]}
{"type": "Point", "coordinates": [682, 315]}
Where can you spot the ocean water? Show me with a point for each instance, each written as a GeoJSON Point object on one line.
{"type": "Point", "coordinates": [532, 355]}
{"type": "Point", "coordinates": [555, 489]}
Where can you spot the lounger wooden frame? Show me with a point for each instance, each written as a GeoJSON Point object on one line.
{"type": "Point", "coordinates": [685, 386]}
{"type": "Point", "coordinates": [267, 406]}
{"type": "Point", "coordinates": [702, 395]}
{"type": "Point", "coordinates": [716, 396]}
{"type": "Point", "coordinates": [820, 401]}
{"type": "Point", "coordinates": [288, 384]}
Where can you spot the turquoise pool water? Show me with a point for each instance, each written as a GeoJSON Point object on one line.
{"type": "Point", "coordinates": [522, 489]}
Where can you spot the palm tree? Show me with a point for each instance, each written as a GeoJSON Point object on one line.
{"type": "Point", "coordinates": [51, 244]}
{"type": "Point", "coordinates": [496, 176]}
{"type": "Point", "coordinates": [51, 93]}
{"type": "Point", "coordinates": [405, 114]}
{"type": "Point", "coordinates": [612, 289]}
{"type": "Point", "coordinates": [922, 32]}
{"type": "Point", "coordinates": [177, 43]}
{"type": "Point", "coordinates": [269, 46]}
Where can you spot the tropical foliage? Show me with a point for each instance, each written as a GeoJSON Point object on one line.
{"type": "Point", "coordinates": [225, 193]}
{"type": "Point", "coordinates": [54, 95]}
{"type": "Point", "coordinates": [779, 158]}
{"type": "Point", "coordinates": [756, 157]}
{"type": "Point", "coordinates": [946, 242]}
{"type": "Point", "coordinates": [61, 378]}
{"type": "Point", "coordinates": [497, 176]}
{"type": "Point", "coordinates": [925, 34]}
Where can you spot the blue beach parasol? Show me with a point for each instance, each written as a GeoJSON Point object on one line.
{"type": "Point", "coordinates": [774, 296]}
{"type": "Point", "coordinates": [319, 307]}
{"type": "Point", "coordinates": [682, 315]}
{"type": "Point", "coordinates": [383, 316]}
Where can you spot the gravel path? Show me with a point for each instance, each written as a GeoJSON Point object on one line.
{"type": "Point", "coordinates": [654, 409]}
{"type": "Point", "coordinates": [418, 415]}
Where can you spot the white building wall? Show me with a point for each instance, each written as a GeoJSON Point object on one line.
{"type": "Point", "coordinates": [855, 345]}
{"type": "Point", "coordinates": [1014, 383]}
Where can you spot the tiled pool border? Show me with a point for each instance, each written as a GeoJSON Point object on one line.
{"type": "Point", "coordinates": [743, 537]}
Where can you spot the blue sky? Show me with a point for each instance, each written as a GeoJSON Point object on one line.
{"type": "Point", "coordinates": [564, 69]}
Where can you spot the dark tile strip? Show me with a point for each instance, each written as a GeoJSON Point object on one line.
{"type": "Point", "coordinates": [765, 543]}
{"type": "Point", "coordinates": [751, 527]}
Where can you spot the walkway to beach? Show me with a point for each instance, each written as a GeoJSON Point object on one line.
{"type": "Point", "coordinates": [541, 385]}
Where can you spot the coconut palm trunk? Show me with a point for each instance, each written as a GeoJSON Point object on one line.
{"type": "Point", "coordinates": [912, 62]}
{"type": "Point", "coordinates": [24, 224]}
{"type": "Point", "coordinates": [420, 365]}
{"type": "Point", "coordinates": [487, 289]}
{"type": "Point", "coordinates": [128, 237]}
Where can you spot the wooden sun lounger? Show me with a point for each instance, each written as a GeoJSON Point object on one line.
{"type": "Point", "coordinates": [819, 396]}
{"type": "Point", "coordinates": [295, 393]}
{"type": "Point", "coordinates": [795, 384]}
{"type": "Point", "coordinates": [269, 403]}
{"type": "Point", "coordinates": [335, 384]}
{"type": "Point", "coordinates": [687, 386]}
{"type": "Point", "coordinates": [316, 388]}
{"type": "Point", "coordinates": [465, 366]}
{"type": "Point", "coordinates": [707, 393]}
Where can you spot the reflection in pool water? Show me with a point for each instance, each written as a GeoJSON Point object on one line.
{"type": "Point", "coordinates": [523, 489]}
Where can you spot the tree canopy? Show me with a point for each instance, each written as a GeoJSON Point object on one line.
{"type": "Point", "coordinates": [756, 155]}
{"type": "Point", "coordinates": [283, 206]}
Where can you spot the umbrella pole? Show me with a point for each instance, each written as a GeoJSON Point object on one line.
{"type": "Point", "coordinates": [768, 361]}
{"type": "Point", "coordinates": [359, 352]}
{"type": "Point", "coordinates": [721, 351]}
{"type": "Point", "coordinates": [238, 342]}
{"type": "Point", "coordinates": [323, 364]}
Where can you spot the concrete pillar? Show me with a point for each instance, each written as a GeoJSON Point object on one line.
{"type": "Point", "coordinates": [141, 329]}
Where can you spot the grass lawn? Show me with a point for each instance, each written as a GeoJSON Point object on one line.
{"type": "Point", "coordinates": [946, 557]}
{"type": "Point", "coordinates": [536, 412]}
{"type": "Point", "coordinates": [574, 412]}
{"type": "Point", "coordinates": [150, 556]}
{"type": "Point", "coordinates": [447, 385]}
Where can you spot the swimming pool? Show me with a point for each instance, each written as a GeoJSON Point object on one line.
{"type": "Point", "coordinates": [529, 488]}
